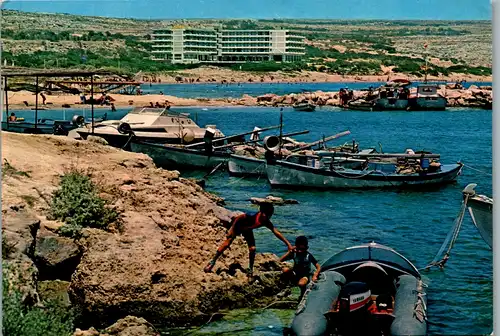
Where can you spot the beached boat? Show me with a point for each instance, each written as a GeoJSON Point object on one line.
{"type": "Point", "coordinates": [305, 107]}
{"type": "Point", "coordinates": [43, 126]}
{"type": "Point", "coordinates": [426, 97]}
{"type": "Point", "coordinates": [391, 96]}
{"type": "Point", "coordinates": [158, 125]}
{"type": "Point", "coordinates": [373, 175]}
{"type": "Point", "coordinates": [166, 156]}
{"type": "Point", "coordinates": [364, 290]}
{"type": "Point", "coordinates": [481, 210]}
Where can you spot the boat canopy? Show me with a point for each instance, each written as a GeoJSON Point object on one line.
{"type": "Point", "coordinates": [373, 252]}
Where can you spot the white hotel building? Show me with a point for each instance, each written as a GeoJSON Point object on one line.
{"type": "Point", "coordinates": [186, 45]}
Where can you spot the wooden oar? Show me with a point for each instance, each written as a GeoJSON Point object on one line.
{"type": "Point", "coordinates": [401, 155]}
{"type": "Point", "coordinates": [322, 140]}
{"type": "Point", "coordinates": [234, 136]}
{"type": "Point", "coordinates": [254, 141]}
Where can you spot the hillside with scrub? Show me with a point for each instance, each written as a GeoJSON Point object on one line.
{"type": "Point", "coordinates": [340, 47]}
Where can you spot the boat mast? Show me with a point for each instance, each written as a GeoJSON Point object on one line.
{"type": "Point", "coordinates": [281, 131]}
{"type": "Point", "coordinates": [425, 55]}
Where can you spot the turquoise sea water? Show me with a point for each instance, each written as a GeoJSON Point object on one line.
{"type": "Point", "coordinates": [414, 223]}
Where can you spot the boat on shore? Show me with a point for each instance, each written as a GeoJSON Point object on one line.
{"type": "Point", "coordinates": [363, 290]}
{"type": "Point", "coordinates": [304, 107]}
{"type": "Point", "coordinates": [391, 96]}
{"type": "Point", "coordinates": [157, 125]}
{"type": "Point", "coordinates": [481, 211]}
{"type": "Point", "coordinates": [381, 174]}
{"type": "Point", "coordinates": [426, 98]}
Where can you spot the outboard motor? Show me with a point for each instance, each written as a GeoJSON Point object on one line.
{"type": "Point", "coordinates": [78, 120]}
{"type": "Point", "coordinates": [208, 138]}
{"type": "Point", "coordinates": [59, 129]}
{"type": "Point", "coordinates": [353, 316]}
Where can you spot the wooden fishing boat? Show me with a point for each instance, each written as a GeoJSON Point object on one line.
{"type": "Point", "coordinates": [304, 107]}
{"type": "Point", "coordinates": [158, 125]}
{"type": "Point", "coordinates": [481, 210]}
{"type": "Point", "coordinates": [385, 98]}
{"type": "Point", "coordinates": [364, 290]}
{"type": "Point", "coordinates": [43, 126]}
{"type": "Point", "coordinates": [425, 98]}
{"type": "Point", "coordinates": [168, 156]}
{"type": "Point", "coordinates": [240, 165]}
{"type": "Point", "coordinates": [373, 175]}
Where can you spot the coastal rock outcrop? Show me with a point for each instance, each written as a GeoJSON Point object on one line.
{"type": "Point", "coordinates": [128, 326]}
{"type": "Point", "coordinates": [474, 96]}
{"type": "Point", "coordinates": [152, 267]}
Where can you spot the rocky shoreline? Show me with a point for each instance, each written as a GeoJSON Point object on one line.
{"type": "Point", "coordinates": [473, 97]}
{"type": "Point", "coordinates": [151, 267]}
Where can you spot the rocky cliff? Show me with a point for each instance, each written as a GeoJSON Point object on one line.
{"type": "Point", "coordinates": [152, 266]}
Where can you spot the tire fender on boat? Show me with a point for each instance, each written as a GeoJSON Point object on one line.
{"type": "Point", "coordinates": [78, 120]}
{"type": "Point", "coordinates": [309, 318]}
{"type": "Point", "coordinates": [409, 307]}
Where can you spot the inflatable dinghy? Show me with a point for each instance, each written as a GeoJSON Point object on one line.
{"type": "Point", "coordinates": [363, 290]}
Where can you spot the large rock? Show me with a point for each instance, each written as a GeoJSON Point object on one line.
{"type": "Point", "coordinates": [128, 326]}
{"type": "Point", "coordinates": [56, 257]}
{"type": "Point", "coordinates": [19, 230]}
{"type": "Point", "coordinates": [273, 200]}
{"type": "Point", "coordinates": [55, 290]}
{"type": "Point", "coordinates": [153, 267]}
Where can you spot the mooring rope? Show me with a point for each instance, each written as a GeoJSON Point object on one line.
{"type": "Point", "coordinates": [450, 238]}
{"type": "Point", "coordinates": [478, 170]}
{"type": "Point", "coordinates": [245, 175]}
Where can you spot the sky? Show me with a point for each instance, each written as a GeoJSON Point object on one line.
{"type": "Point", "coordinates": [265, 9]}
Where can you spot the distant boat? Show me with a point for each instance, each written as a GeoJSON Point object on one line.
{"type": "Point", "coordinates": [374, 175]}
{"type": "Point", "coordinates": [305, 107]}
{"type": "Point", "coordinates": [426, 98]}
{"type": "Point", "coordinates": [368, 289]}
{"type": "Point", "coordinates": [481, 210]}
{"type": "Point", "coordinates": [384, 98]}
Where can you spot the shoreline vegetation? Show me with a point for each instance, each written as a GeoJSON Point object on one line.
{"type": "Point", "coordinates": [334, 49]}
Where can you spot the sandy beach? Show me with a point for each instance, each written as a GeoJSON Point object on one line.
{"type": "Point", "coordinates": [16, 100]}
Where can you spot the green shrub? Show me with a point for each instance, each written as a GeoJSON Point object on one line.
{"type": "Point", "coordinates": [21, 320]}
{"type": "Point", "coordinates": [78, 204]}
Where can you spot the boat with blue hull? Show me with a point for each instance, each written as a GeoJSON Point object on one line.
{"type": "Point", "coordinates": [373, 175]}
{"type": "Point", "coordinates": [363, 290]}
